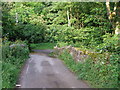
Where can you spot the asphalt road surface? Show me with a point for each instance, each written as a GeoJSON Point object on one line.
{"type": "Point", "coordinates": [42, 71]}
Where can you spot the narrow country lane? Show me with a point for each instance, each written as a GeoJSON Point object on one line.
{"type": "Point", "coordinates": [42, 71]}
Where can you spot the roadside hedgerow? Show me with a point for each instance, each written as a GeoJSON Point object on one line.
{"type": "Point", "coordinates": [12, 61]}
{"type": "Point", "coordinates": [99, 71]}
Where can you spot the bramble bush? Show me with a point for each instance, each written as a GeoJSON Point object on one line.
{"type": "Point", "coordinates": [12, 60]}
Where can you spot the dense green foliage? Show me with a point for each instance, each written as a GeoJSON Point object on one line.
{"type": "Point", "coordinates": [77, 23]}
{"type": "Point", "coordinates": [45, 22]}
{"type": "Point", "coordinates": [0, 63]}
{"type": "Point", "coordinates": [72, 22]}
{"type": "Point", "coordinates": [21, 22]}
{"type": "Point", "coordinates": [98, 70]}
{"type": "Point", "coordinates": [0, 50]}
{"type": "Point", "coordinates": [12, 61]}
{"type": "Point", "coordinates": [85, 25]}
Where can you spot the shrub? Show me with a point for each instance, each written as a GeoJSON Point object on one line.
{"type": "Point", "coordinates": [111, 44]}
{"type": "Point", "coordinates": [12, 60]}
{"type": "Point", "coordinates": [100, 71]}
{"type": "Point", "coordinates": [62, 44]}
{"type": "Point", "coordinates": [30, 32]}
{"type": "Point", "coordinates": [88, 36]}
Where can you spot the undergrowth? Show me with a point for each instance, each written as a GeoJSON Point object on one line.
{"type": "Point", "coordinates": [98, 71]}
{"type": "Point", "coordinates": [12, 60]}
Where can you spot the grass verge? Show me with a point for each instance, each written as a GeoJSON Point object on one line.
{"type": "Point", "coordinates": [42, 46]}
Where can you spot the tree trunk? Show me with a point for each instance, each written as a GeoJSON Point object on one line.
{"type": "Point", "coordinates": [112, 15]}
{"type": "Point", "coordinates": [68, 17]}
{"type": "Point", "coordinates": [117, 29]}
{"type": "Point", "coordinates": [16, 18]}
{"type": "Point", "coordinates": [108, 9]}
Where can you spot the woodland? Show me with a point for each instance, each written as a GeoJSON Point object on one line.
{"type": "Point", "coordinates": [93, 26]}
